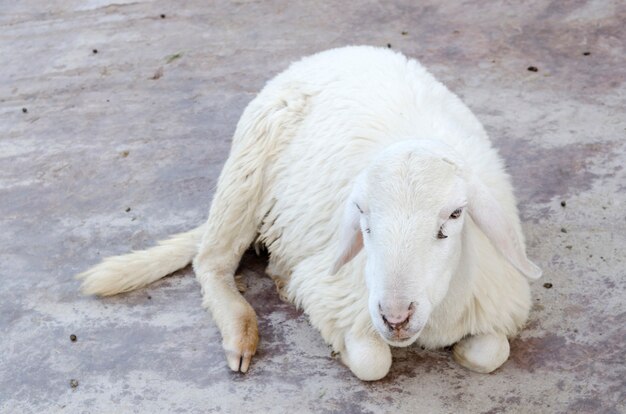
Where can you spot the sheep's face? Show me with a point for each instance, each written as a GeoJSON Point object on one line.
{"type": "Point", "coordinates": [411, 223]}
{"type": "Point", "coordinates": [407, 210]}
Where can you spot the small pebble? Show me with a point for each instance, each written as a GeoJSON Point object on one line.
{"type": "Point", "coordinates": [405, 33]}
{"type": "Point", "coordinates": [547, 285]}
{"type": "Point", "coordinates": [73, 383]}
{"type": "Point", "coordinates": [533, 69]}
{"type": "Point", "coordinates": [389, 45]}
{"type": "Point", "coordinates": [157, 74]}
{"type": "Point", "coordinates": [162, 16]}
{"type": "Point", "coordinates": [149, 297]}
{"type": "Point", "coordinates": [563, 203]}
{"type": "Point", "coordinates": [95, 51]}
{"type": "Point", "coordinates": [73, 338]}
{"type": "Point", "coordinates": [569, 247]}
{"type": "Point", "coordinates": [563, 230]}
{"type": "Point", "coordinates": [586, 53]}
{"type": "Point", "coordinates": [24, 110]}
{"type": "Point", "coordinates": [127, 209]}
{"type": "Point", "coordinates": [124, 154]}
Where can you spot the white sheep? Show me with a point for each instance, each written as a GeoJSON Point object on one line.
{"type": "Point", "coordinates": [358, 148]}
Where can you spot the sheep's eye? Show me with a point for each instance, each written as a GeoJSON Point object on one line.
{"type": "Point", "coordinates": [440, 235]}
{"type": "Point", "coordinates": [456, 213]}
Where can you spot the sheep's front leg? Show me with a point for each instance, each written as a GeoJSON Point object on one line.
{"type": "Point", "coordinates": [482, 353]}
{"type": "Point", "coordinates": [367, 355]}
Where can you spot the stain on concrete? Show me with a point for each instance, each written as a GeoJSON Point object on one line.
{"type": "Point", "coordinates": [542, 174]}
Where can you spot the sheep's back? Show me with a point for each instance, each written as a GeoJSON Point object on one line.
{"type": "Point", "coordinates": [350, 103]}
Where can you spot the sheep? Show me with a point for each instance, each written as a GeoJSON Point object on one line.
{"type": "Point", "coordinates": [387, 214]}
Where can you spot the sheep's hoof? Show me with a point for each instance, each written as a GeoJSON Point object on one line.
{"type": "Point", "coordinates": [482, 353]}
{"type": "Point", "coordinates": [240, 339]}
{"type": "Point", "coordinates": [368, 357]}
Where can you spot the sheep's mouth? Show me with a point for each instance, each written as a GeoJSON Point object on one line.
{"type": "Point", "coordinates": [400, 339]}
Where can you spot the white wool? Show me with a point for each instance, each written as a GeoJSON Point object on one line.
{"type": "Point", "coordinates": [296, 156]}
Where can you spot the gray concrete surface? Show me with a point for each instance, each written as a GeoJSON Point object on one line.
{"type": "Point", "coordinates": [145, 123]}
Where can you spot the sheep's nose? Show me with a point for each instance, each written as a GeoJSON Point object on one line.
{"type": "Point", "coordinates": [397, 317]}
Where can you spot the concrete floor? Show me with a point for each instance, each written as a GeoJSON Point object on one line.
{"type": "Point", "coordinates": [145, 124]}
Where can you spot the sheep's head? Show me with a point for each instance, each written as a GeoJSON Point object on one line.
{"type": "Point", "coordinates": [408, 209]}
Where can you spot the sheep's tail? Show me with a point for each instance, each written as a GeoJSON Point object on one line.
{"type": "Point", "coordinates": [137, 269]}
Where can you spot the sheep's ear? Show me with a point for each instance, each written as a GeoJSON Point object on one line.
{"type": "Point", "coordinates": [487, 213]}
{"type": "Point", "coordinates": [351, 237]}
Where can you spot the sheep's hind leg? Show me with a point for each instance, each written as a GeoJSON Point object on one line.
{"type": "Point", "coordinates": [266, 125]}
{"type": "Point", "coordinates": [229, 233]}
{"type": "Point", "coordinates": [482, 353]}
{"type": "Point", "coordinates": [230, 229]}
